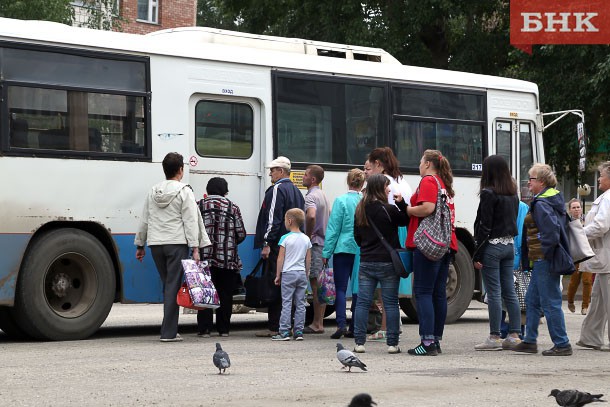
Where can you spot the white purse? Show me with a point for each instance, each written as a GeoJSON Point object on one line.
{"type": "Point", "coordinates": [580, 249]}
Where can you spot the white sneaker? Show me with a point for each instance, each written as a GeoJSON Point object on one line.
{"type": "Point", "coordinates": [178, 338]}
{"type": "Point", "coordinates": [489, 344]}
{"type": "Point", "coordinates": [394, 349]}
{"type": "Point", "coordinates": [359, 349]}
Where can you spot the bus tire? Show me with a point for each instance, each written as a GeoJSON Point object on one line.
{"type": "Point", "coordinates": [9, 326]}
{"type": "Point", "coordinates": [460, 288]}
{"type": "Point", "coordinates": [66, 286]}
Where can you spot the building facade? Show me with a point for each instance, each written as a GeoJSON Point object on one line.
{"type": "Point", "coordinates": [136, 16]}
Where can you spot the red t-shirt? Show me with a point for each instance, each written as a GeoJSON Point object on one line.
{"type": "Point", "coordinates": [427, 192]}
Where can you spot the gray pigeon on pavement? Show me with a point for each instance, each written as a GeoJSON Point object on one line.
{"type": "Point", "coordinates": [348, 359]}
{"type": "Point", "coordinates": [221, 359]}
{"type": "Point", "coordinates": [574, 398]}
{"type": "Point", "coordinates": [362, 400]}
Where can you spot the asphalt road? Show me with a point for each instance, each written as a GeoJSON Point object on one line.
{"type": "Point", "coordinates": [124, 364]}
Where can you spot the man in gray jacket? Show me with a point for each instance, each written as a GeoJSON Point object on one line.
{"type": "Point", "coordinates": [171, 224]}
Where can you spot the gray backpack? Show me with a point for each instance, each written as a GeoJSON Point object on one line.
{"type": "Point", "coordinates": [433, 235]}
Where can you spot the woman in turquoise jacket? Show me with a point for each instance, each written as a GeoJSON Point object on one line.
{"type": "Point", "coordinates": [339, 242]}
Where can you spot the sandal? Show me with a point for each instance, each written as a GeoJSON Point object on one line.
{"type": "Point", "coordinates": [377, 336]}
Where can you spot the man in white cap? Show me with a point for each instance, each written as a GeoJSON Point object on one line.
{"type": "Point", "coordinates": [279, 198]}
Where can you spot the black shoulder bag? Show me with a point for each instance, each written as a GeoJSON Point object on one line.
{"type": "Point", "coordinates": [402, 259]}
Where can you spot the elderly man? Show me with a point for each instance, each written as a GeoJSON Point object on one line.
{"type": "Point", "coordinates": [279, 198]}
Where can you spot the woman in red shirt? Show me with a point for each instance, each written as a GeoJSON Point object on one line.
{"type": "Point", "coordinates": [430, 277]}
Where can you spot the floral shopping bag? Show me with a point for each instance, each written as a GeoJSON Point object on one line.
{"type": "Point", "coordinates": [327, 292]}
{"type": "Point", "coordinates": [198, 279]}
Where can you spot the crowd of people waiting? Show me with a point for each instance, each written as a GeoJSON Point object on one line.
{"type": "Point", "coordinates": [298, 236]}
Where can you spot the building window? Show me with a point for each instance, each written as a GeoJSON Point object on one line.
{"type": "Point", "coordinates": [148, 10]}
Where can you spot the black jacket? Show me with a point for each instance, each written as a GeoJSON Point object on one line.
{"type": "Point", "coordinates": [279, 198]}
{"type": "Point", "coordinates": [387, 221]}
{"type": "Point", "coordinates": [496, 217]}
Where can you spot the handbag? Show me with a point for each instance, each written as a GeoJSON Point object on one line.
{"type": "Point", "coordinates": [402, 259]}
{"type": "Point", "coordinates": [198, 281]}
{"type": "Point", "coordinates": [327, 292]}
{"type": "Point", "coordinates": [183, 298]}
{"type": "Point", "coordinates": [522, 282]}
{"type": "Point", "coordinates": [580, 249]}
{"type": "Point", "coordinates": [433, 235]}
{"type": "Point", "coordinates": [260, 288]}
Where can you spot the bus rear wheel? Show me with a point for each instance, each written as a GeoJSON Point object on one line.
{"type": "Point", "coordinates": [66, 286]}
{"type": "Point", "coordinates": [460, 288]}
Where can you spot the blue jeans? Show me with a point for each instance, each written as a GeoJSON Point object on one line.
{"type": "Point", "coordinates": [372, 273]}
{"type": "Point", "coordinates": [544, 295]}
{"type": "Point", "coordinates": [499, 283]}
{"type": "Point", "coordinates": [342, 271]}
{"type": "Point", "coordinates": [430, 289]}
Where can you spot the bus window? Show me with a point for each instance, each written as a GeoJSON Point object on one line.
{"type": "Point", "coordinates": [328, 121]}
{"type": "Point", "coordinates": [450, 121]}
{"type": "Point", "coordinates": [76, 121]}
{"type": "Point", "coordinates": [223, 129]}
{"type": "Point", "coordinates": [526, 155]}
{"type": "Point", "coordinates": [57, 101]}
{"type": "Point", "coordinates": [503, 141]}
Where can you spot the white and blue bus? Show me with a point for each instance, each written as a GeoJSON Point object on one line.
{"type": "Point", "coordinates": [87, 116]}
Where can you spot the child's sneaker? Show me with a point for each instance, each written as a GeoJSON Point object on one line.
{"type": "Point", "coordinates": [282, 336]}
{"type": "Point", "coordinates": [298, 336]}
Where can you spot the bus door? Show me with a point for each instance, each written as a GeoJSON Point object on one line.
{"type": "Point", "coordinates": [514, 140]}
{"type": "Point", "coordinates": [227, 143]}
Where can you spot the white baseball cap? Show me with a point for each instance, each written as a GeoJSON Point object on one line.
{"type": "Point", "coordinates": [280, 162]}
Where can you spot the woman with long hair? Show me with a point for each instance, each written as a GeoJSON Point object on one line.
{"type": "Point", "coordinates": [495, 228]}
{"type": "Point", "coordinates": [339, 242]}
{"type": "Point", "coordinates": [375, 261]}
{"type": "Point", "coordinates": [383, 161]}
{"type": "Point", "coordinates": [430, 277]}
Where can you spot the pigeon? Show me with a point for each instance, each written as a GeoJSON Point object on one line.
{"type": "Point", "coordinates": [221, 359]}
{"type": "Point", "coordinates": [362, 400]}
{"type": "Point", "coordinates": [574, 398]}
{"type": "Point", "coordinates": [348, 359]}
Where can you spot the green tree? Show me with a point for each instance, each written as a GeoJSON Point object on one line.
{"type": "Point", "coordinates": [60, 11]}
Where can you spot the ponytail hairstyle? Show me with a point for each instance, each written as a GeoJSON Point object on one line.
{"type": "Point", "coordinates": [388, 160]}
{"type": "Point", "coordinates": [443, 169]}
{"type": "Point", "coordinates": [375, 191]}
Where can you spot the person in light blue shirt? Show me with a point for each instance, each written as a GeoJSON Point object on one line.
{"type": "Point", "coordinates": [293, 264]}
{"type": "Point", "coordinates": [339, 242]}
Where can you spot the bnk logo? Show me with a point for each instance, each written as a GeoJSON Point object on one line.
{"type": "Point", "coordinates": [559, 22]}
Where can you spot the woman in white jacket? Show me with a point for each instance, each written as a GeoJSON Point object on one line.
{"type": "Point", "coordinates": [597, 228]}
{"type": "Point", "coordinates": [171, 224]}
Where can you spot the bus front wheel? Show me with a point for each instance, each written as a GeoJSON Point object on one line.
{"type": "Point", "coordinates": [66, 286]}
{"type": "Point", "coordinates": [460, 288]}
